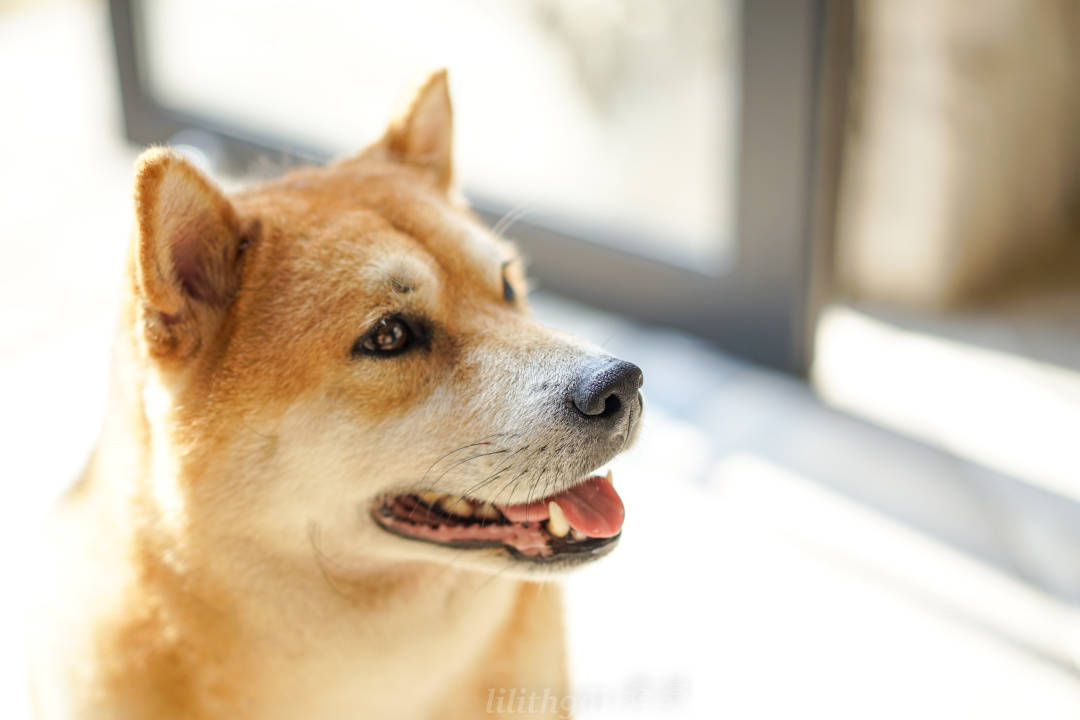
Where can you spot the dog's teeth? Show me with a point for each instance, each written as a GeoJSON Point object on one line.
{"type": "Point", "coordinates": [486, 511]}
{"type": "Point", "coordinates": [557, 524]}
{"type": "Point", "coordinates": [609, 478]}
{"type": "Point", "coordinates": [430, 497]}
{"type": "Point", "coordinates": [457, 506]}
{"type": "Point", "coordinates": [577, 534]}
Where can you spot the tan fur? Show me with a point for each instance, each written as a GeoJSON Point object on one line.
{"type": "Point", "coordinates": [216, 559]}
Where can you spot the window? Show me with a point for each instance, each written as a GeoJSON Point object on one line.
{"type": "Point", "coordinates": [654, 158]}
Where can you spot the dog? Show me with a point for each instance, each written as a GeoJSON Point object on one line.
{"type": "Point", "coordinates": [341, 461]}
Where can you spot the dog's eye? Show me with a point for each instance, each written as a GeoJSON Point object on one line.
{"type": "Point", "coordinates": [390, 336]}
{"type": "Point", "coordinates": [508, 291]}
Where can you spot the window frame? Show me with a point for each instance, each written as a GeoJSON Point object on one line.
{"type": "Point", "coordinates": [794, 61]}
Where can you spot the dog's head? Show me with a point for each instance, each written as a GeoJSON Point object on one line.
{"type": "Point", "coordinates": [342, 361]}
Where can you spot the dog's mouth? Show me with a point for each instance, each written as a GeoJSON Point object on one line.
{"type": "Point", "coordinates": [577, 524]}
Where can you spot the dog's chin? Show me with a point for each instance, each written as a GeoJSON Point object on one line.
{"type": "Point", "coordinates": [541, 538]}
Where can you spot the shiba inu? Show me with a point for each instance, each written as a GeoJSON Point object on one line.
{"type": "Point", "coordinates": [339, 458]}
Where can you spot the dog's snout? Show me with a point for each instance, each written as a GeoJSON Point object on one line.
{"type": "Point", "coordinates": [606, 387]}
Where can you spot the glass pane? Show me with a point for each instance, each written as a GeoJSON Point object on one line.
{"type": "Point", "coordinates": [616, 119]}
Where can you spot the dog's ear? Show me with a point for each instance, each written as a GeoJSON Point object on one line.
{"type": "Point", "coordinates": [423, 134]}
{"type": "Point", "coordinates": [187, 251]}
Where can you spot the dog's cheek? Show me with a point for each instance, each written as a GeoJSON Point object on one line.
{"type": "Point", "coordinates": [385, 388]}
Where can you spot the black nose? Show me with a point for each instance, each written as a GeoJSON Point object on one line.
{"type": "Point", "coordinates": [606, 388]}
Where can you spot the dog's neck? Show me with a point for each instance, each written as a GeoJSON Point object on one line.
{"type": "Point", "coordinates": [237, 610]}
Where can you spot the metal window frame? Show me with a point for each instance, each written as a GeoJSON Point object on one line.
{"type": "Point", "coordinates": [794, 63]}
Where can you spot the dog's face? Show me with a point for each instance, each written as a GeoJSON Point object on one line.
{"type": "Point", "coordinates": [341, 363]}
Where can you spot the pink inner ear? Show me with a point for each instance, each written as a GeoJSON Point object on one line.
{"type": "Point", "coordinates": [191, 244]}
{"type": "Point", "coordinates": [188, 234]}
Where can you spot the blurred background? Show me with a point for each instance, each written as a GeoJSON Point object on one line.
{"type": "Point", "coordinates": [842, 239]}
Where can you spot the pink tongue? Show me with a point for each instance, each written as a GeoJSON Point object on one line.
{"type": "Point", "coordinates": [592, 508]}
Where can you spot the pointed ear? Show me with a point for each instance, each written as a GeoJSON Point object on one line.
{"type": "Point", "coordinates": [187, 248]}
{"type": "Point", "coordinates": [423, 134]}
